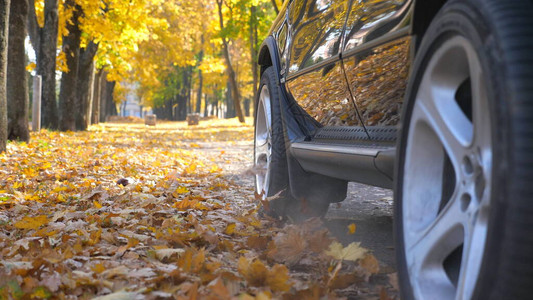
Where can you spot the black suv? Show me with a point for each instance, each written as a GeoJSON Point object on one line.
{"type": "Point", "coordinates": [431, 98]}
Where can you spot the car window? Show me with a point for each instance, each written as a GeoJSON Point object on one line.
{"type": "Point", "coordinates": [317, 29]}
{"type": "Point", "coordinates": [370, 19]}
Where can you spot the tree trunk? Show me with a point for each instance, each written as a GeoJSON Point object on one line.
{"type": "Point", "coordinates": [200, 80]}
{"type": "Point", "coordinates": [199, 92]}
{"type": "Point", "coordinates": [4, 35]}
{"type": "Point", "coordinates": [254, 54]}
{"type": "Point", "coordinates": [215, 106]}
{"type": "Point", "coordinates": [103, 93]}
{"type": "Point", "coordinates": [232, 78]}
{"type": "Point", "coordinates": [83, 89]}
{"type": "Point", "coordinates": [111, 107]}
{"type": "Point", "coordinates": [95, 115]}
{"type": "Point", "coordinates": [247, 107]}
{"type": "Point", "coordinates": [44, 42]}
{"type": "Point", "coordinates": [34, 31]}
{"type": "Point", "coordinates": [67, 93]}
{"type": "Point", "coordinates": [206, 102]}
{"type": "Point", "coordinates": [89, 115]}
{"type": "Point", "coordinates": [17, 85]}
{"type": "Point", "coordinates": [184, 95]}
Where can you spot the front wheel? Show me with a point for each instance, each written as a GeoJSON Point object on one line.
{"type": "Point", "coordinates": [463, 191]}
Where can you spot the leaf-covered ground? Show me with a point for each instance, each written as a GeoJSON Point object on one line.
{"type": "Point", "coordinates": [125, 211]}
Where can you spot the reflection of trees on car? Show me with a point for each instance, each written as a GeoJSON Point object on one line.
{"type": "Point", "coordinates": [378, 82]}
{"type": "Point", "coordinates": [338, 110]}
{"type": "Point", "coordinates": [318, 36]}
{"type": "Point", "coordinates": [372, 19]}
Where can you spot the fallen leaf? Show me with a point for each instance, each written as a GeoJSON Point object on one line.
{"type": "Point", "coordinates": [163, 254]}
{"type": "Point", "coordinates": [352, 252]}
{"type": "Point", "coordinates": [351, 228]}
{"type": "Point", "coordinates": [32, 222]}
{"type": "Point", "coordinates": [230, 229]}
{"type": "Point", "coordinates": [278, 279]}
{"type": "Point", "coordinates": [120, 296]}
{"type": "Point", "coordinates": [370, 264]}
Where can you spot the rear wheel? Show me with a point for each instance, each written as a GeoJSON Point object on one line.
{"type": "Point", "coordinates": [463, 204]}
{"type": "Point", "coordinates": [270, 156]}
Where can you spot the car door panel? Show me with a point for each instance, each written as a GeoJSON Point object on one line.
{"type": "Point", "coordinates": [376, 60]}
{"type": "Point", "coordinates": [315, 77]}
{"type": "Point", "coordinates": [323, 94]}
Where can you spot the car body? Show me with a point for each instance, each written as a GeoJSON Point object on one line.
{"type": "Point", "coordinates": [343, 81]}
{"type": "Point", "coordinates": [431, 98]}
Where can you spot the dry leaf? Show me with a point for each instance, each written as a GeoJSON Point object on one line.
{"type": "Point", "coordinates": [278, 279]}
{"type": "Point", "coordinates": [255, 272]}
{"type": "Point", "coordinates": [351, 228]}
{"type": "Point", "coordinates": [120, 296]}
{"type": "Point", "coordinates": [230, 229]}
{"type": "Point", "coordinates": [163, 254]}
{"type": "Point", "coordinates": [370, 264]}
{"type": "Point", "coordinates": [32, 222]}
{"type": "Point", "coordinates": [289, 247]}
{"type": "Point", "coordinates": [352, 252]}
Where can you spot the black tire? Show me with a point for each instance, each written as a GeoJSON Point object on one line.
{"type": "Point", "coordinates": [501, 33]}
{"type": "Point", "coordinates": [286, 206]}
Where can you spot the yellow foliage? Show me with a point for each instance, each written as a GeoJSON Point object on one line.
{"type": "Point", "coordinates": [32, 222]}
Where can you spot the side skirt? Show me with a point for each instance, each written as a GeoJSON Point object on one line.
{"type": "Point", "coordinates": [351, 162]}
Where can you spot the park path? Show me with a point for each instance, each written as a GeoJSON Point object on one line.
{"type": "Point", "coordinates": [129, 211]}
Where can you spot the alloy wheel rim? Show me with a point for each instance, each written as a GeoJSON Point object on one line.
{"type": "Point", "coordinates": [263, 142]}
{"type": "Point", "coordinates": [447, 175]}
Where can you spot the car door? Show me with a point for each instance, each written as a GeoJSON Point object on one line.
{"type": "Point", "coordinates": [314, 75]}
{"type": "Point", "coordinates": [376, 61]}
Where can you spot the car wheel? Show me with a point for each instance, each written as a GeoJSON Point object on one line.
{"type": "Point", "coordinates": [270, 156]}
{"type": "Point", "coordinates": [463, 192]}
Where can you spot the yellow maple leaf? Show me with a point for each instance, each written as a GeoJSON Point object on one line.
{"type": "Point", "coordinates": [98, 268]}
{"type": "Point", "coordinates": [351, 228]}
{"type": "Point", "coordinates": [352, 252]}
{"type": "Point", "coordinates": [278, 279]}
{"type": "Point", "coordinates": [97, 204]}
{"type": "Point", "coordinates": [255, 272]}
{"type": "Point", "coordinates": [230, 229]}
{"type": "Point", "coordinates": [32, 222]}
{"type": "Point", "coordinates": [182, 190]}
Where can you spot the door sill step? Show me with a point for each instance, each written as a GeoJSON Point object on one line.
{"type": "Point", "coordinates": [364, 162]}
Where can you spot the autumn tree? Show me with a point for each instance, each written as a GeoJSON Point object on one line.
{"type": "Point", "coordinates": [17, 85]}
{"type": "Point", "coordinates": [85, 82]}
{"type": "Point", "coordinates": [43, 37]}
{"type": "Point", "coordinates": [71, 48]}
{"type": "Point", "coordinates": [232, 77]}
{"type": "Point", "coordinates": [4, 31]}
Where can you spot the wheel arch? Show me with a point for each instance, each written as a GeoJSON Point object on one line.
{"type": "Point", "coordinates": [424, 12]}
{"type": "Point", "coordinates": [268, 56]}
{"type": "Point", "coordinates": [309, 186]}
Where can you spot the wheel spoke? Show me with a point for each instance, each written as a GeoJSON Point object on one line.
{"type": "Point", "coordinates": [432, 245]}
{"type": "Point", "coordinates": [442, 236]}
{"type": "Point", "coordinates": [474, 244]}
{"type": "Point", "coordinates": [482, 140]}
{"type": "Point", "coordinates": [436, 107]}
